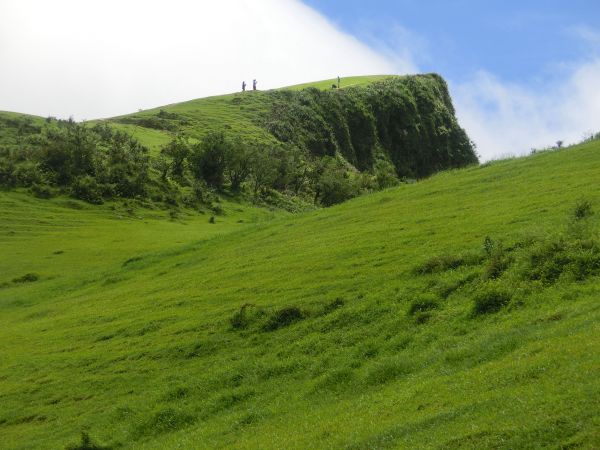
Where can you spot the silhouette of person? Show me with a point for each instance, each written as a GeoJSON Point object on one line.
{"type": "Point", "coordinates": [254, 83]}
{"type": "Point", "coordinates": [339, 81]}
{"type": "Point", "coordinates": [243, 86]}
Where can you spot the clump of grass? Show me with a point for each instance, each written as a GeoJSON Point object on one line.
{"type": "Point", "coordinates": [132, 260]}
{"type": "Point", "coordinates": [388, 370]}
{"type": "Point", "coordinates": [443, 263]}
{"type": "Point", "coordinates": [27, 278]}
{"type": "Point", "coordinates": [583, 209]}
{"type": "Point", "coordinates": [335, 380]}
{"type": "Point", "coordinates": [283, 318]}
{"type": "Point", "coordinates": [498, 259]}
{"type": "Point", "coordinates": [490, 299]}
{"type": "Point", "coordinates": [423, 303]}
{"type": "Point", "coordinates": [439, 264]}
{"type": "Point", "coordinates": [86, 443]}
{"type": "Point", "coordinates": [548, 261]}
{"type": "Point", "coordinates": [165, 421]}
{"type": "Point", "coordinates": [240, 319]}
{"type": "Point", "coordinates": [334, 305]}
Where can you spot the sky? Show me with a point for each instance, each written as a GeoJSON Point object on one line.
{"type": "Point", "coordinates": [522, 74]}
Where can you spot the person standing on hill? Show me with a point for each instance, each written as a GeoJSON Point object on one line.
{"type": "Point", "coordinates": [254, 83]}
{"type": "Point", "coordinates": [243, 86]}
{"type": "Point", "coordinates": [339, 81]}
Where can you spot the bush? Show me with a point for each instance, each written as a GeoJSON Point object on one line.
{"type": "Point", "coordinates": [27, 173]}
{"type": "Point", "coordinates": [41, 190]}
{"type": "Point", "coordinates": [335, 184]}
{"type": "Point", "coordinates": [283, 318]}
{"type": "Point", "coordinates": [87, 189]}
{"type": "Point", "coordinates": [490, 300]}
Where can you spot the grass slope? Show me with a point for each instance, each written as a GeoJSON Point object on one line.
{"type": "Point", "coordinates": [358, 330]}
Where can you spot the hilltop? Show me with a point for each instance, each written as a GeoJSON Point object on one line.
{"type": "Point", "coordinates": [457, 312]}
{"type": "Point", "coordinates": [293, 148]}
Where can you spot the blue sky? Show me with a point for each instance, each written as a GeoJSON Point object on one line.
{"type": "Point", "coordinates": [518, 41]}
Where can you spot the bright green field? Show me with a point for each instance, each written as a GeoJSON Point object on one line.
{"type": "Point", "coordinates": [127, 334]}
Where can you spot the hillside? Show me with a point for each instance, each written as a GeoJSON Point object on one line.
{"type": "Point", "coordinates": [295, 148]}
{"type": "Point", "coordinates": [456, 312]}
{"type": "Point", "coordinates": [408, 119]}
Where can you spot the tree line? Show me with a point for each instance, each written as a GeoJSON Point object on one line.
{"type": "Point", "coordinates": [96, 163]}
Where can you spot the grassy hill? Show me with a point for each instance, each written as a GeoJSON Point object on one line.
{"type": "Point", "coordinates": [294, 148]}
{"type": "Point", "coordinates": [234, 113]}
{"type": "Point", "coordinates": [457, 312]}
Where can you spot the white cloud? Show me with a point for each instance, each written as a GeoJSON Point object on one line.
{"type": "Point", "coordinates": [504, 118]}
{"type": "Point", "coordinates": [102, 58]}
{"type": "Point", "coordinates": [586, 34]}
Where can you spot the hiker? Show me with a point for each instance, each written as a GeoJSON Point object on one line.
{"type": "Point", "coordinates": [254, 83]}
{"type": "Point", "coordinates": [243, 86]}
{"type": "Point", "coordinates": [339, 81]}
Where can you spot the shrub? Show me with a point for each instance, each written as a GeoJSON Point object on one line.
{"type": "Point", "coordinates": [41, 190]}
{"type": "Point", "coordinates": [86, 188]}
{"type": "Point", "coordinates": [490, 300]}
{"type": "Point", "coordinates": [27, 173]}
{"type": "Point", "coordinates": [283, 318]}
{"type": "Point", "coordinates": [335, 184]}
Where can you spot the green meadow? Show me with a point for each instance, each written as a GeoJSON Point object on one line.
{"type": "Point", "coordinates": [460, 311]}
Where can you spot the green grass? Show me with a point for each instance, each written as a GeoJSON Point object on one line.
{"type": "Point", "coordinates": [128, 334]}
{"type": "Point", "coordinates": [345, 82]}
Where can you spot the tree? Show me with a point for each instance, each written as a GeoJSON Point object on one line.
{"type": "Point", "coordinates": [178, 150]}
{"type": "Point", "coordinates": [333, 183]}
{"type": "Point", "coordinates": [238, 163]}
{"type": "Point", "coordinates": [263, 169]}
{"type": "Point", "coordinates": [208, 160]}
